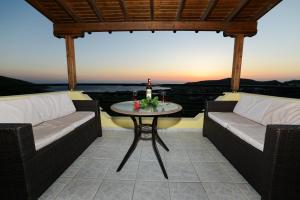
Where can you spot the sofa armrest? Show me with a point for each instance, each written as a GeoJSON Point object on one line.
{"type": "Point", "coordinates": [16, 141]}
{"type": "Point", "coordinates": [86, 105]}
{"type": "Point", "coordinates": [219, 106]}
{"type": "Point", "coordinates": [281, 162]}
{"type": "Point", "coordinates": [16, 150]}
{"type": "Point", "coordinates": [90, 105]}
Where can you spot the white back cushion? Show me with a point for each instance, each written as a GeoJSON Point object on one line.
{"type": "Point", "coordinates": [52, 106]}
{"type": "Point", "coordinates": [64, 104]}
{"type": "Point", "coordinates": [282, 111]}
{"type": "Point", "coordinates": [18, 111]}
{"type": "Point", "coordinates": [252, 107]}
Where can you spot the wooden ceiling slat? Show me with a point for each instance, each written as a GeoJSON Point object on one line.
{"type": "Point", "coordinates": [69, 10]}
{"type": "Point", "coordinates": [167, 9]}
{"type": "Point", "coordinates": [114, 16]}
{"type": "Point", "coordinates": [140, 13]}
{"type": "Point", "coordinates": [110, 7]}
{"type": "Point", "coordinates": [138, 10]}
{"type": "Point", "coordinates": [42, 9]}
{"type": "Point", "coordinates": [212, 4]}
{"type": "Point", "coordinates": [270, 4]}
{"type": "Point", "coordinates": [223, 9]}
{"type": "Point", "coordinates": [249, 11]}
{"type": "Point", "coordinates": [96, 10]}
{"type": "Point", "coordinates": [194, 8]}
{"type": "Point", "coordinates": [87, 16]}
{"type": "Point", "coordinates": [166, 3]}
{"type": "Point", "coordinates": [194, 11]}
{"type": "Point", "coordinates": [136, 1]}
{"type": "Point", "coordinates": [112, 13]}
{"type": "Point", "coordinates": [53, 8]}
{"type": "Point", "coordinates": [116, 13]}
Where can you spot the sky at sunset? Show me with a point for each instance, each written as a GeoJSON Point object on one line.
{"type": "Point", "coordinates": [29, 51]}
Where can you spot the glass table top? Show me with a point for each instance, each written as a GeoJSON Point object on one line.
{"type": "Point", "coordinates": [163, 108]}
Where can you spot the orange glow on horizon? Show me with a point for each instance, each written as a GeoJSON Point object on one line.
{"type": "Point", "coordinates": [176, 76]}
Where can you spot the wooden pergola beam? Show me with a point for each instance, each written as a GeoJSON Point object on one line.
{"type": "Point", "coordinates": [123, 8]}
{"type": "Point", "coordinates": [237, 62]}
{"type": "Point", "coordinates": [71, 64]}
{"type": "Point", "coordinates": [229, 29]}
{"type": "Point", "coordinates": [96, 10]}
{"type": "Point", "coordinates": [152, 9]}
{"type": "Point", "coordinates": [237, 10]}
{"type": "Point", "coordinates": [180, 9]}
{"type": "Point", "coordinates": [211, 5]}
{"type": "Point", "coordinates": [69, 10]}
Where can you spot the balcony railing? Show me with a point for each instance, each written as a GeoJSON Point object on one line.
{"type": "Point", "coordinates": [192, 104]}
{"type": "Point", "coordinates": [191, 97]}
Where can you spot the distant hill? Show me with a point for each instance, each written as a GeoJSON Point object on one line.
{"type": "Point", "coordinates": [295, 83]}
{"type": "Point", "coordinates": [11, 86]}
{"type": "Point", "coordinates": [12, 81]}
{"type": "Point", "coordinates": [227, 81]}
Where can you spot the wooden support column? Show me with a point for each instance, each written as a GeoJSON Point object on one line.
{"type": "Point", "coordinates": [71, 62]}
{"type": "Point", "coordinates": [237, 62]}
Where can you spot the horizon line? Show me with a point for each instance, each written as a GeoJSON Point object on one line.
{"type": "Point", "coordinates": [114, 82]}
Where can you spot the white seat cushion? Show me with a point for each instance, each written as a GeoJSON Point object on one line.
{"type": "Point", "coordinates": [253, 107]}
{"type": "Point", "coordinates": [52, 106]}
{"type": "Point", "coordinates": [46, 133]}
{"type": "Point", "coordinates": [75, 119]}
{"type": "Point", "coordinates": [50, 131]}
{"type": "Point", "coordinates": [227, 118]}
{"type": "Point", "coordinates": [253, 135]}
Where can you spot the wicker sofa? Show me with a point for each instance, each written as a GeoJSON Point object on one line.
{"type": "Point", "coordinates": [260, 136]}
{"type": "Point", "coordinates": [40, 136]}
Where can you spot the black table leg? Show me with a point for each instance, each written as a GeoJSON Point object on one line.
{"type": "Point", "coordinates": [154, 138]}
{"type": "Point", "coordinates": [159, 140]}
{"type": "Point", "coordinates": [137, 135]}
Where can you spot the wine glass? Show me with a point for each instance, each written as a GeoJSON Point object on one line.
{"type": "Point", "coordinates": [134, 95]}
{"type": "Point", "coordinates": [163, 96]}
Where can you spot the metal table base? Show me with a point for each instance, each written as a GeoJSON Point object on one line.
{"type": "Point", "coordinates": [140, 128]}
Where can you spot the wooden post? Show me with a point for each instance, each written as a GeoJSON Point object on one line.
{"type": "Point", "coordinates": [237, 62]}
{"type": "Point", "coordinates": [71, 62]}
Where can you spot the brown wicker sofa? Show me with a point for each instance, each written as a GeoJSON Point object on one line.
{"type": "Point", "coordinates": [27, 169]}
{"type": "Point", "coordinates": [274, 169]}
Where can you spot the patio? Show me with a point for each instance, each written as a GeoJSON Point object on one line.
{"type": "Point", "coordinates": [196, 169]}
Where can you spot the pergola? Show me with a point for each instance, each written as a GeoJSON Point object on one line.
{"type": "Point", "coordinates": [235, 18]}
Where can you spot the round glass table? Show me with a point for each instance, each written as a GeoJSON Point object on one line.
{"type": "Point", "coordinates": [140, 128]}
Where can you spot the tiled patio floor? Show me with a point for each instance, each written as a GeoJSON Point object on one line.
{"type": "Point", "coordinates": [196, 171]}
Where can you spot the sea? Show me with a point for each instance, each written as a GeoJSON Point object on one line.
{"type": "Point", "coordinates": [105, 88]}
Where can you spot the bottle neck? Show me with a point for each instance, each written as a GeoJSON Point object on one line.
{"type": "Point", "coordinates": [149, 89]}
{"type": "Point", "coordinates": [149, 86]}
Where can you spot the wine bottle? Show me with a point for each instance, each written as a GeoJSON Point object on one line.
{"type": "Point", "coordinates": [149, 89]}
